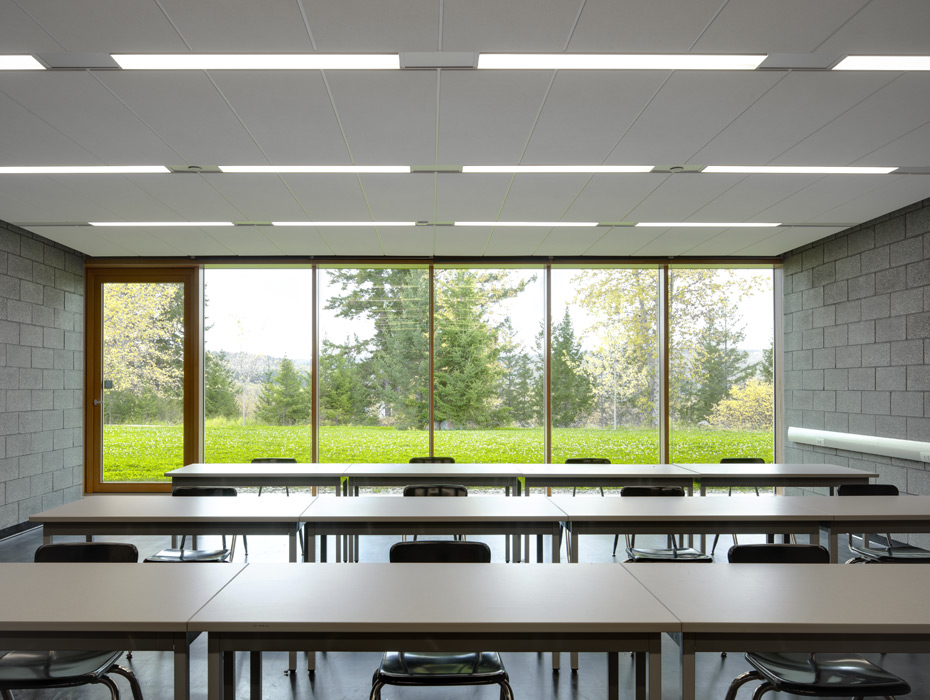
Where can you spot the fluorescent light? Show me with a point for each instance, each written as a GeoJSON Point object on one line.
{"type": "Point", "coordinates": [161, 224]}
{"type": "Point", "coordinates": [702, 224]}
{"type": "Point", "coordinates": [578, 61]}
{"type": "Point", "coordinates": [20, 63]}
{"type": "Point", "coordinates": [520, 169]}
{"type": "Point", "coordinates": [283, 61]}
{"type": "Point", "coordinates": [82, 169]}
{"type": "Point", "coordinates": [533, 224]}
{"type": "Point", "coordinates": [329, 169]}
{"type": "Point", "coordinates": [344, 223]}
{"type": "Point", "coordinates": [793, 170]}
{"type": "Point", "coordinates": [884, 63]}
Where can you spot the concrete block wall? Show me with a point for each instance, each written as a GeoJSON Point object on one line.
{"type": "Point", "coordinates": [857, 341]}
{"type": "Point", "coordinates": [41, 375]}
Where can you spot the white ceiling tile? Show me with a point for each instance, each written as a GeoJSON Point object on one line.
{"type": "Point", "coordinates": [297, 240]}
{"type": "Point", "coordinates": [613, 197]}
{"type": "Point", "coordinates": [882, 27]}
{"type": "Point", "coordinates": [246, 240]}
{"type": "Point", "coordinates": [475, 197]}
{"type": "Point", "coordinates": [897, 193]}
{"type": "Point", "coordinates": [785, 239]}
{"type": "Point", "coordinates": [329, 197]}
{"type": "Point", "coordinates": [762, 26]}
{"type": "Point", "coordinates": [569, 241]}
{"type": "Point", "coordinates": [239, 26]}
{"type": "Point", "coordinates": [90, 241]}
{"type": "Point", "coordinates": [833, 199]}
{"type": "Point", "coordinates": [799, 104]}
{"type": "Point", "coordinates": [679, 241]}
{"type": "Point", "coordinates": [288, 113]}
{"type": "Point", "coordinates": [389, 117]}
{"type": "Point", "coordinates": [193, 241]}
{"type": "Point", "coordinates": [109, 26]}
{"type": "Point", "coordinates": [19, 33]}
{"type": "Point", "coordinates": [541, 197]}
{"type": "Point", "coordinates": [680, 197]}
{"type": "Point", "coordinates": [412, 241]}
{"type": "Point", "coordinates": [514, 25]}
{"type": "Point", "coordinates": [486, 117]}
{"type": "Point", "coordinates": [733, 241]}
{"type": "Point", "coordinates": [689, 111]}
{"type": "Point", "coordinates": [185, 109]}
{"type": "Point", "coordinates": [371, 27]}
{"type": "Point", "coordinates": [400, 197]}
{"type": "Point", "coordinates": [637, 26]}
{"type": "Point", "coordinates": [192, 197]}
{"type": "Point", "coordinates": [515, 241]}
{"type": "Point", "coordinates": [263, 197]}
{"type": "Point", "coordinates": [623, 241]}
{"type": "Point", "coordinates": [362, 240]}
{"type": "Point", "coordinates": [586, 113]}
{"type": "Point", "coordinates": [466, 240]}
{"type": "Point", "coordinates": [46, 198]}
{"type": "Point", "coordinates": [909, 149]}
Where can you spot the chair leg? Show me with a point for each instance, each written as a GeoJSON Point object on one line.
{"type": "Point", "coordinates": [616, 541]}
{"type": "Point", "coordinates": [6, 695]}
{"type": "Point", "coordinates": [506, 690]}
{"type": "Point", "coordinates": [259, 490]}
{"type": "Point", "coordinates": [133, 681]}
{"type": "Point", "coordinates": [762, 690]}
{"type": "Point", "coordinates": [110, 684]}
{"type": "Point", "coordinates": [740, 681]}
{"type": "Point", "coordinates": [713, 547]}
{"type": "Point", "coordinates": [376, 690]}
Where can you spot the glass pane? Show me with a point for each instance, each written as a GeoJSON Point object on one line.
{"type": "Point", "coordinates": [605, 380]}
{"type": "Point", "coordinates": [721, 371]}
{"type": "Point", "coordinates": [488, 365]}
{"type": "Point", "coordinates": [143, 375]}
{"type": "Point", "coordinates": [374, 364]}
{"type": "Point", "coordinates": [257, 359]}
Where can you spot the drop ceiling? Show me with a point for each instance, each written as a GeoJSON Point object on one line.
{"type": "Point", "coordinates": [460, 117]}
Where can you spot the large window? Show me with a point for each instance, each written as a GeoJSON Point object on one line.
{"type": "Point", "coordinates": [721, 375]}
{"type": "Point", "coordinates": [604, 359]}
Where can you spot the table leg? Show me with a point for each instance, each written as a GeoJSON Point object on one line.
{"type": "Point", "coordinates": [214, 669]}
{"type": "Point", "coordinates": [182, 667]}
{"type": "Point", "coordinates": [639, 661]}
{"type": "Point", "coordinates": [309, 544]}
{"type": "Point", "coordinates": [255, 675]}
{"type": "Point", "coordinates": [613, 676]}
{"type": "Point", "coordinates": [655, 671]}
{"type": "Point", "coordinates": [292, 546]}
{"type": "Point", "coordinates": [834, 545]}
{"type": "Point", "coordinates": [229, 674]}
{"type": "Point", "coordinates": [687, 668]}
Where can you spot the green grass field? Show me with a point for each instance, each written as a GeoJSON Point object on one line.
{"type": "Point", "coordinates": [145, 453]}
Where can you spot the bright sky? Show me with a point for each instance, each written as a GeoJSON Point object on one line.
{"type": "Point", "coordinates": [267, 312]}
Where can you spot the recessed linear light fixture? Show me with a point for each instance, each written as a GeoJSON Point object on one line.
{"type": "Point", "coordinates": [533, 224]}
{"type": "Point", "coordinates": [160, 224]}
{"type": "Point", "coordinates": [897, 63]}
{"type": "Point", "coordinates": [327, 169]}
{"type": "Point", "coordinates": [82, 169]}
{"type": "Point", "coordinates": [20, 63]}
{"type": "Point", "coordinates": [520, 169]}
{"type": "Point", "coordinates": [702, 224]}
{"type": "Point", "coordinates": [344, 223]}
{"type": "Point", "coordinates": [797, 170]}
{"type": "Point", "coordinates": [282, 61]}
{"type": "Point", "coordinates": [577, 61]}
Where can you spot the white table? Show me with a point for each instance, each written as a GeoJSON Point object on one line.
{"type": "Point", "coordinates": [260, 474]}
{"type": "Point", "coordinates": [443, 607]}
{"type": "Point", "coordinates": [505, 476]}
{"type": "Point", "coordinates": [165, 515]}
{"type": "Point", "coordinates": [774, 475]}
{"type": "Point", "coordinates": [606, 475]}
{"type": "Point", "coordinates": [108, 606]}
{"type": "Point", "coordinates": [616, 515]}
{"type": "Point", "coordinates": [392, 515]}
{"type": "Point", "coordinates": [791, 607]}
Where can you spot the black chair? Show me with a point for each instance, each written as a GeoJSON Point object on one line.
{"type": "Point", "coordinates": [808, 674]}
{"type": "Point", "coordinates": [32, 670]}
{"type": "Point", "coordinates": [434, 490]}
{"type": "Point", "coordinates": [274, 460]}
{"type": "Point", "coordinates": [587, 460]}
{"type": "Point", "coordinates": [674, 552]}
{"type": "Point", "coordinates": [890, 552]}
{"type": "Point", "coordinates": [407, 668]}
{"type": "Point", "coordinates": [432, 460]}
{"type": "Point", "coordinates": [736, 460]}
{"type": "Point", "coordinates": [182, 554]}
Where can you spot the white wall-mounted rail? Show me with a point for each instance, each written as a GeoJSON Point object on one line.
{"type": "Point", "coordinates": [868, 444]}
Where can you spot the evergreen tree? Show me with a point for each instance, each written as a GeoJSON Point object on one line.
{"type": "Point", "coordinates": [343, 394]}
{"type": "Point", "coordinates": [521, 381]}
{"type": "Point", "coordinates": [572, 394]}
{"type": "Point", "coordinates": [220, 390]}
{"type": "Point", "coordinates": [285, 396]}
{"type": "Point", "coordinates": [767, 365]}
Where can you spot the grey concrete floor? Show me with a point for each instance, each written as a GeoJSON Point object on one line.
{"type": "Point", "coordinates": [347, 676]}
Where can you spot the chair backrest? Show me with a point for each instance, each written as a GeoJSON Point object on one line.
{"type": "Point", "coordinates": [204, 491]}
{"type": "Point", "coordinates": [435, 490]}
{"type": "Point", "coordinates": [274, 460]}
{"type": "Point", "coordinates": [778, 554]}
{"type": "Point", "coordinates": [742, 460]}
{"type": "Point", "coordinates": [432, 460]}
{"type": "Point", "coordinates": [673, 491]}
{"type": "Point", "coordinates": [66, 552]}
{"type": "Point", "coordinates": [587, 460]}
{"type": "Point", "coordinates": [867, 490]}
{"type": "Point", "coordinates": [441, 551]}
